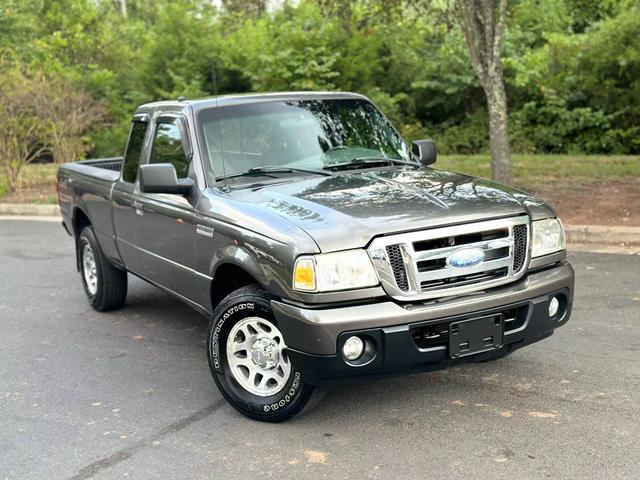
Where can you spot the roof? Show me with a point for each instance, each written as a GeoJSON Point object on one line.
{"type": "Point", "coordinates": [246, 98]}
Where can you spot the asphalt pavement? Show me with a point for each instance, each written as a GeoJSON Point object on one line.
{"type": "Point", "coordinates": [128, 394]}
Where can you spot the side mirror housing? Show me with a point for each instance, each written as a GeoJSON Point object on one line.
{"type": "Point", "coordinates": [425, 151]}
{"type": "Point", "coordinates": [162, 178]}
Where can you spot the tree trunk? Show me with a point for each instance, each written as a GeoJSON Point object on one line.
{"type": "Point", "coordinates": [13, 178]}
{"type": "Point", "coordinates": [482, 22]}
{"type": "Point", "coordinates": [498, 130]}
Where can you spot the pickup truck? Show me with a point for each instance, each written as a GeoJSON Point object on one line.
{"type": "Point", "coordinates": [320, 246]}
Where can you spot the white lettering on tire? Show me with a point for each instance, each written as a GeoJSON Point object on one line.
{"type": "Point", "coordinates": [272, 407]}
{"type": "Point", "coordinates": [215, 341]}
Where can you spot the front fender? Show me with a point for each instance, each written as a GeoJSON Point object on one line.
{"type": "Point", "coordinates": [266, 268]}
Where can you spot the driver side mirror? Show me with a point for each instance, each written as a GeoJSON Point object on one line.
{"type": "Point", "coordinates": [162, 178]}
{"type": "Point", "coordinates": [425, 151]}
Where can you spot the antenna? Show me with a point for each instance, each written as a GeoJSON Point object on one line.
{"type": "Point", "coordinates": [214, 77]}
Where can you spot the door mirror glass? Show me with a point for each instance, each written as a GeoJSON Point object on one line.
{"type": "Point", "coordinates": [162, 178]}
{"type": "Point", "coordinates": [425, 151]}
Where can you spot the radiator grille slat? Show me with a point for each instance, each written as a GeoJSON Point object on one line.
{"type": "Point", "coordinates": [463, 279]}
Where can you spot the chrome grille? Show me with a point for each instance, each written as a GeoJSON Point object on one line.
{"type": "Point", "coordinates": [463, 279]}
{"type": "Point", "coordinates": [417, 265]}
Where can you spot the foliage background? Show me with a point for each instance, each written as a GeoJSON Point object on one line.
{"type": "Point", "coordinates": [572, 67]}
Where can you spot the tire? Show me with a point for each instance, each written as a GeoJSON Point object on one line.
{"type": "Point", "coordinates": [104, 284]}
{"type": "Point", "coordinates": [281, 392]}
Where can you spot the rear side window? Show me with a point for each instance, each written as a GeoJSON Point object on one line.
{"type": "Point", "coordinates": [134, 149]}
{"type": "Point", "coordinates": [167, 148]}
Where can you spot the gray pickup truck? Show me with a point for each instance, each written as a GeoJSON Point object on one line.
{"type": "Point", "coordinates": [318, 244]}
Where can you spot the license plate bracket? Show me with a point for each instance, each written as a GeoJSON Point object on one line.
{"type": "Point", "coordinates": [476, 335]}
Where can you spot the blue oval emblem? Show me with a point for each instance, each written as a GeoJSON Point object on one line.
{"type": "Point", "coordinates": [466, 257]}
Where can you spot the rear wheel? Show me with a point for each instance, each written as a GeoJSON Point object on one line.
{"type": "Point", "coordinates": [249, 361]}
{"type": "Point", "coordinates": [104, 284]}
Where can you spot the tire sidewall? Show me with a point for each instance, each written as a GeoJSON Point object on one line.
{"type": "Point", "coordinates": [87, 237]}
{"type": "Point", "coordinates": [273, 408]}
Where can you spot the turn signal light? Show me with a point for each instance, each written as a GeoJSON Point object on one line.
{"type": "Point", "coordinates": [304, 275]}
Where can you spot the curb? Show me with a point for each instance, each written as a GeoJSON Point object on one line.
{"type": "Point", "coordinates": [610, 248]}
{"type": "Point", "coordinates": [601, 234]}
{"type": "Point", "coordinates": [29, 209]}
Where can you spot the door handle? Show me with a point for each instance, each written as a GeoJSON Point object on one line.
{"type": "Point", "coordinates": [138, 207]}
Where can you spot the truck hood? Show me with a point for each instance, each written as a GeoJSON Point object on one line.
{"type": "Point", "coordinates": [348, 209]}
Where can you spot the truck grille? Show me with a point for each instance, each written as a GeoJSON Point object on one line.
{"type": "Point", "coordinates": [421, 265]}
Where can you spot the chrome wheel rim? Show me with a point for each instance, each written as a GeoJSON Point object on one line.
{"type": "Point", "coordinates": [89, 269]}
{"type": "Point", "coordinates": [256, 356]}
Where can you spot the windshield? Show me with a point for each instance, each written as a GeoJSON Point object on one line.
{"type": "Point", "coordinates": [304, 134]}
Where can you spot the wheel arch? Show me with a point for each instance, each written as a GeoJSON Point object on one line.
{"type": "Point", "coordinates": [79, 220]}
{"type": "Point", "coordinates": [229, 276]}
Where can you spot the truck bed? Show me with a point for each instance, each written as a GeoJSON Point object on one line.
{"type": "Point", "coordinates": [87, 185]}
{"type": "Point", "coordinates": [103, 168]}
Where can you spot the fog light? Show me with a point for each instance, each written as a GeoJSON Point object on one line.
{"type": "Point", "coordinates": [353, 348]}
{"type": "Point", "coordinates": [554, 305]}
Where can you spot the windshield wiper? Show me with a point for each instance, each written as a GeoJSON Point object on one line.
{"type": "Point", "coordinates": [274, 169]}
{"type": "Point", "coordinates": [368, 162]}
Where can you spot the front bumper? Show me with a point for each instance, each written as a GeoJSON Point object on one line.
{"type": "Point", "coordinates": [315, 336]}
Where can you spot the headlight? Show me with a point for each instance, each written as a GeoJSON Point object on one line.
{"type": "Point", "coordinates": [548, 237]}
{"type": "Point", "coordinates": [328, 272]}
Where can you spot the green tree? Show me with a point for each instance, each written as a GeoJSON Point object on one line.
{"type": "Point", "coordinates": [72, 115]}
{"type": "Point", "coordinates": [295, 48]}
{"type": "Point", "coordinates": [569, 67]}
{"type": "Point", "coordinates": [23, 136]}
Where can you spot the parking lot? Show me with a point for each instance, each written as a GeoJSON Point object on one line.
{"type": "Point", "coordinates": [129, 393]}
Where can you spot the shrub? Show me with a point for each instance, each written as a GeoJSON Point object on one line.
{"type": "Point", "coordinates": [467, 138]}
{"type": "Point", "coordinates": [548, 125]}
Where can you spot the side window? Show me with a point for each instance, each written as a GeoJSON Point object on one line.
{"type": "Point", "coordinates": [167, 148]}
{"type": "Point", "coordinates": [134, 149]}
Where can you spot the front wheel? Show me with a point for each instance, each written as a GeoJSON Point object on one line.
{"type": "Point", "coordinates": [249, 361]}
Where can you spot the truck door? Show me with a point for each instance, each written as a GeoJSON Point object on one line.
{"type": "Point", "coordinates": [125, 219]}
{"type": "Point", "coordinates": [165, 227]}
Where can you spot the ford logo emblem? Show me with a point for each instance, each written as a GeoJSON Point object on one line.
{"type": "Point", "coordinates": [466, 257]}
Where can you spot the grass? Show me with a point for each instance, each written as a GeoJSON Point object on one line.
{"type": "Point", "coordinates": [38, 185]}
{"type": "Point", "coordinates": [583, 189]}
{"type": "Point", "coordinates": [536, 172]}
{"type": "Point", "coordinates": [3, 186]}
{"type": "Point", "coordinates": [531, 172]}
